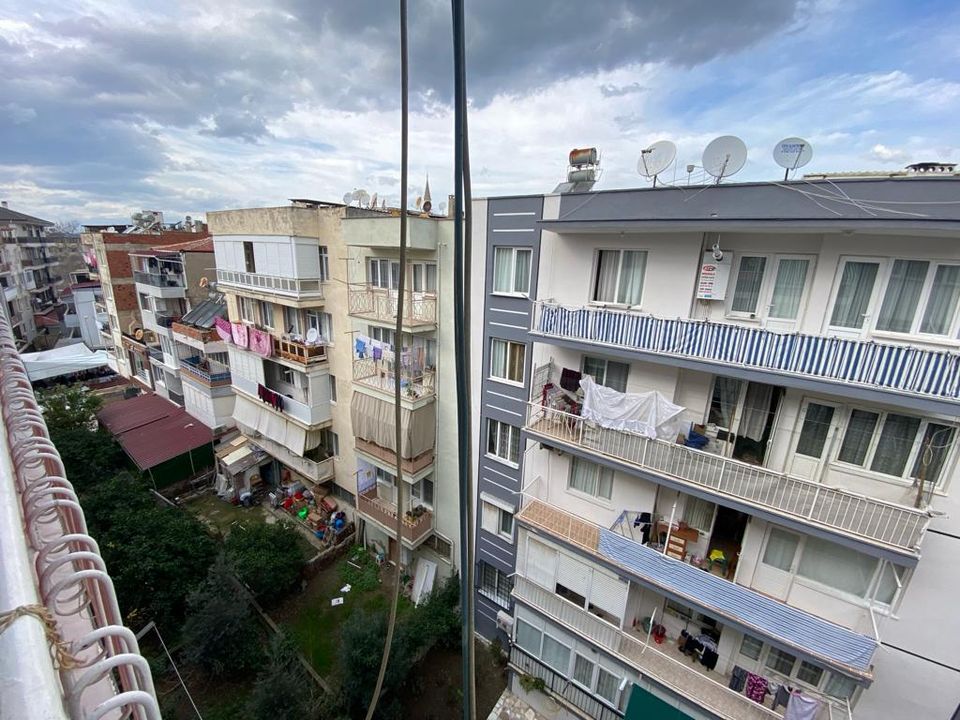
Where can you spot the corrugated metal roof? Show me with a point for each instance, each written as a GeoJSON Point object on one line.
{"type": "Point", "coordinates": [8, 215]}
{"type": "Point", "coordinates": [204, 314]}
{"type": "Point", "coordinates": [808, 634]}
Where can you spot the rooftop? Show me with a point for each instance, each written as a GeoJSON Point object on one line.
{"type": "Point", "coordinates": [8, 215]}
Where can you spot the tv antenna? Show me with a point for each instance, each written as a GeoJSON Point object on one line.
{"type": "Point", "coordinates": [656, 158]}
{"type": "Point", "coordinates": [792, 153]}
{"type": "Point", "coordinates": [724, 156]}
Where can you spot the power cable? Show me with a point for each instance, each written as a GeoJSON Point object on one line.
{"type": "Point", "coordinates": [397, 414]}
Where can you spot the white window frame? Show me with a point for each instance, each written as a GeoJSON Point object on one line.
{"type": "Point", "coordinates": [884, 277]}
{"type": "Point", "coordinates": [333, 389]}
{"type": "Point", "coordinates": [595, 496]}
{"type": "Point", "coordinates": [376, 267]}
{"type": "Point", "coordinates": [509, 344]}
{"type": "Point", "coordinates": [416, 492]}
{"type": "Point", "coordinates": [265, 313]}
{"type": "Point", "coordinates": [324, 259]}
{"type": "Point", "coordinates": [292, 321]}
{"type": "Point", "coordinates": [606, 367]}
{"type": "Point", "coordinates": [493, 431]}
{"type": "Point", "coordinates": [422, 267]}
{"type": "Point", "coordinates": [596, 276]}
{"type": "Point", "coordinates": [771, 271]}
{"type": "Point", "coordinates": [759, 664]}
{"type": "Point", "coordinates": [872, 307]}
{"type": "Point", "coordinates": [323, 322]}
{"type": "Point", "coordinates": [492, 513]}
{"type": "Point", "coordinates": [246, 309]}
{"type": "Point", "coordinates": [513, 291]}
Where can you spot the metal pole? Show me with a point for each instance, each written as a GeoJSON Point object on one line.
{"type": "Point", "coordinates": [666, 540]}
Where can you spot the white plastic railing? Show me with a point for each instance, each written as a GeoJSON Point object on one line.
{"type": "Point", "coordinates": [305, 287]}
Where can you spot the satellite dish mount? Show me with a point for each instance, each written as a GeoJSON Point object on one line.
{"type": "Point", "coordinates": [792, 153]}
{"type": "Point", "coordinates": [724, 156]}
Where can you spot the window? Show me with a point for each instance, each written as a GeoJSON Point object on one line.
{"type": "Point", "coordinates": [607, 372]}
{"type": "Point", "coordinates": [342, 493]}
{"type": "Point", "coordinates": [382, 334]}
{"type": "Point", "coordinates": [333, 388]}
{"type": "Point", "coordinates": [902, 297]}
{"type": "Point", "coordinates": [291, 321]}
{"type": "Point", "coordinates": [287, 376]}
{"type": "Point", "coordinates": [322, 322]}
{"type": "Point", "coordinates": [423, 277]}
{"type": "Point", "coordinates": [780, 661]}
{"type": "Point", "coordinates": [383, 273]}
{"type": "Point", "coordinates": [723, 402]}
{"type": "Point", "coordinates": [942, 303]}
{"type": "Point", "coordinates": [421, 493]}
{"type": "Point", "coordinates": [334, 443]}
{"type": "Point", "coordinates": [246, 309]}
{"type": "Point", "coordinates": [583, 670]}
{"type": "Point", "coordinates": [751, 647]}
{"type": "Point", "coordinates": [608, 685]}
{"type": "Point", "coordinates": [441, 546]}
{"type": "Point", "coordinates": [528, 637]}
{"type": "Point", "coordinates": [503, 441]}
{"type": "Point", "coordinates": [158, 374]}
{"type": "Point", "coordinates": [788, 288]}
{"type": "Point", "coordinates": [496, 585]}
{"type": "Point", "coordinates": [698, 513]}
{"type": "Point", "coordinates": [840, 686]}
{"type": "Point", "coordinates": [511, 270]}
{"type": "Point", "coordinates": [555, 654]}
{"type": "Point", "coordinates": [619, 276]}
{"type": "Point", "coordinates": [248, 258]}
{"type": "Point", "coordinates": [265, 311]}
{"type": "Point", "coordinates": [809, 673]}
{"type": "Point", "coordinates": [507, 360]}
{"type": "Point", "coordinates": [852, 303]}
{"type": "Point", "coordinates": [144, 301]}
{"type": "Point", "coordinates": [746, 293]}
{"type": "Point", "coordinates": [496, 520]}
{"type": "Point", "coordinates": [324, 263]}
{"type": "Point", "coordinates": [816, 426]}
{"type": "Point", "coordinates": [781, 549]}
{"type": "Point", "coordinates": [591, 479]}
{"type": "Point", "coordinates": [920, 297]}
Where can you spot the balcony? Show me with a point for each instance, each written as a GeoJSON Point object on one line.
{"type": "Point", "coordinates": [316, 471]}
{"type": "Point", "coordinates": [384, 232]}
{"type": "Point", "coordinates": [299, 352]}
{"type": "Point", "coordinates": [873, 522]}
{"type": "Point", "coordinates": [159, 280]}
{"type": "Point", "coordinates": [166, 318]}
{"type": "Point", "coordinates": [410, 466]}
{"type": "Point", "coordinates": [561, 686]}
{"type": "Point", "coordinates": [379, 304]}
{"type": "Point", "coordinates": [910, 376]}
{"type": "Point", "coordinates": [380, 375]}
{"type": "Point", "coordinates": [209, 372]}
{"type": "Point", "coordinates": [675, 674]}
{"type": "Point", "coordinates": [415, 528]}
{"type": "Point", "coordinates": [290, 408]}
{"type": "Point", "coordinates": [300, 288]}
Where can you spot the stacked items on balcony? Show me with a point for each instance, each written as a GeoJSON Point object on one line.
{"type": "Point", "coordinates": [319, 513]}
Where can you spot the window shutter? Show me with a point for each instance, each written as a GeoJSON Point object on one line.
{"type": "Point", "coordinates": [573, 575]}
{"type": "Point", "coordinates": [608, 593]}
{"type": "Point", "coordinates": [541, 564]}
{"type": "Point", "coordinates": [490, 518]}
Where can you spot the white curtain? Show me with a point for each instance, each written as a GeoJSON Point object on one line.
{"type": "Point", "coordinates": [631, 277]}
{"type": "Point", "coordinates": [788, 289]}
{"type": "Point", "coordinates": [856, 440]}
{"type": "Point", "coordinates": [942, 303]}
{"type": "Point", "coordinates": [756, 411]}
{"type": "Point", "coordinates": [608, 262]}
{"type": "Point", "coordinates": [749, 279]}
{"type": "Point", "coordinates": [902, 296]}
{"type": "Point", "coordinates": [498, 358]}
{"type": "Point", "coordinates": [853, 295]}
{"type": "Point", "coordinates": [896, 444]}
{"type": "Point", "coordinates": [556, 655]}
{"type": "Point", "coordinates": [502, 262]}
{"type": "Point", "coordinates": [698, 513]}
{"type": "Point", "coordinates": [781, 547]}
{"type": "Point", "coordinates": [521, 271]}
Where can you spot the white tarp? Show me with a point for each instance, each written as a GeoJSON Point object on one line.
{"type": "Point", "coordinates": [65, 360]}
{"type": "Point", "coordinates": [649, 414]}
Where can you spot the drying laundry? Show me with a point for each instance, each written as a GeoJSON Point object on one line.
{"type": "Point", "coordinates": [240, 334]}
{"type": "Point", "coordinates": [756, 687]}
{"type": "Point", "coordinates": [570, 380]}
{"type": "Point", "coordinates": [261, 342]}
{"type": "Point", "coordinates": [223, 329]}
{"type": "Point", "coordinates": [361, 347]}
{"type": "Point", "coordinates": [801, 707]}
{"type": "Point", "coordinates": [377, 352]}
{"type": "Point", "coordinates": [273, 399]}
{"type": "Point", "coordinates": [738, 678]}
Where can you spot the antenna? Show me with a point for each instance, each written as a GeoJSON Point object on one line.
{"type": "Point", "coordinates": [724, 156]}
{"type": "Point", "coordinates": [362, 197]}
{"type": "Point", "coordinates": [792, 153]}
{"type": "Point", "coordinates": [656, 158]}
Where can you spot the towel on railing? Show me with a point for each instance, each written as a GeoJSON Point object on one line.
{"type": "Point", "coordinates": [240, 334]}
{"type": "Point", "coordinates": [801, 707]}
{"type": "Point", "coordinates": [261, 342]}
{"type": "Point", "coordinates": [223, 329]}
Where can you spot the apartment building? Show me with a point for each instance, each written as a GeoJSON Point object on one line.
{"type": "Point", "coordinates": [27, 271]}
{"type": "Point", "coordinates": [311, 292]}
{"type": "Point", "coordinates": [717, 433]}
{"type": "Point", "coordinates": [82, 317]}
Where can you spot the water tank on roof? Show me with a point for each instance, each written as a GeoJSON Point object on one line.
{"type": "Point", "coordinates": [584, 156]}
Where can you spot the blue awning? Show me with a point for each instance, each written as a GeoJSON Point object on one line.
{"type": "Point", "coordinates": [790, 628]}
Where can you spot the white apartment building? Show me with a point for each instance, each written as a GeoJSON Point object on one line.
{"type": "Point", "coordinates": [27, 271]}
{"type": "Point", "coordinates": [722, 420]}
{"type": "Point", "coordinates": [311, 292]}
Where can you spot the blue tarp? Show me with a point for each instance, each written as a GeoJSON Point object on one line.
{"type": "Point", "coordinates": [757, 614]}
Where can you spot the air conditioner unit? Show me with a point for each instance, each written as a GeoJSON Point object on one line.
{"type": "Point", "coordinates": [505, 621]}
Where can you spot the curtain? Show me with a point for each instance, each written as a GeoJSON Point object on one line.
{"type": "Point", "coordinates": [583, 671]}
{"type": "Point", "coordinates": [934, 448]}
{"type": "Point", "coordinates": [517, 352]}
{"type": "Point", "coordinates": [521, 271]}
{"type": "Point", "coordinates": [813, 434]}
{"type": "Point", "coordinates": [942, 302]}
{"type": "Point", "coordinates": [556, 655]}
{"type": "Point", "coordinates": [853, 295]}
{"type": "Point", "coordinates": [896, 444]}
{"type": "Point", "coordinates": [726, 392]}
{"type": "Point", "coordinates": [373, 421]}
{"type": "Point", "coordinates": [616, 376]}
{"type": "Point", "coordinates": [608, 685]}
{"type": "Point", "coordinates": [605, 289]}
{"type": "Point", "coordinates": [788, 288]}
{"type": "Point", "coordinates": [582, 476]}
{"type": "Point", "coordinates": [631, 277]}
{"type": "Point", "coordinates": [498, 359]}
{"type": "Point", "coordinates": [604, 483]}
{"type": "Point", "coordinates": [749, 279]}
{"type": "Point", "coordinates": [856, 440]}
{"type": "Point", "coordinates": [902, 296]}
{"type": "Point", "coordinates": [756, 411]}
{"type": "Point", "coordinates": [781, 547]}
{"type": "Point", "coordinates": [836, 566]}
{"type": "Point", "coordinates": [698, 513]}
{"type": "Point", "coordinates": [502, 261]}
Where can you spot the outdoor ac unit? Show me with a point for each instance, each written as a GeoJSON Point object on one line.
{"type": "Point", "coordinates": [505, 621]}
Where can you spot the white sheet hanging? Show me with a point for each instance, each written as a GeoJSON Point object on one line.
{"type": "Point", "coordinates": [649, 414]}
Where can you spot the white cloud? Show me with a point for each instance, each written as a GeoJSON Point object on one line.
{"type": "Point", "coordinates": [887, 154]}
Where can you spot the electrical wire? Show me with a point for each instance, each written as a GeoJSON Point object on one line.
{"type": "Point", "coordinates": [397, 413]}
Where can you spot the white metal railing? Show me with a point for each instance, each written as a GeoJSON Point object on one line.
{"type": "Point", "coordinates": [415, 384]}
{"type": "Point", "coordinates": [898, 368]}
{"type": "Point", "coordinates": [67, 574]}
{"type": "Point", "coordinates": [378, 303]}
{"type": "Point", "coordinates": [297, 287]}
{"type": "Point", "coordinates": [874, 521]}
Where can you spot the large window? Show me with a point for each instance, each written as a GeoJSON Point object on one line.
{"type": "Point", "coordinates": [383, 273]}
{"type": "Point", "coordinates": [497, 585]}
{"type": "Point", "coordinates": [291, 321]}
{"type": "Point", "coordinates": [511, 270]}
{"type": "Point", "coordinates": [496, 518]}
{"type": "Point", "coordinates": [265, 311]}
{"type": "Point", "coordinates": [852, 304]}
{"type": "Point", "coordinates": [816, 427]}
{"type": "Point", "coordinates": [746, 293]}
{"type": "Point", "coordinates": [248, 258]}
{"type": "Point", "coordinates": [619, 276]}
{"type": "Point", "coordinates": [247, 312]}
{"type": "Point", "coordinates": [503, 441]}
{"type": "Point", "coordinates": [920, 297]}
{"type": "Point", "coordinates": [423, 277]}
{"type": "Point", "coordinates": [607, 372]}
{"type": "Point", "coordinates": [755, 294]}
{"type": "Point", "coordinates": [785, 665]}
{"type": "Point", "coordinates": [507, 360]}
{"type": "Point", "coordinates": [591, 479]}
{"type": "Point", "coordinates": [322, 322]}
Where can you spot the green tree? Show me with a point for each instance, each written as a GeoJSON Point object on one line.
{"type": "Point", "coordinates": [284, 690]}
{"type": "Point", "coordinates": [88, 457]}
{"type": "Point", "coordinates": [220, 635]}
{"type": "Point", "coordinates": [267, 558]}
{"type": "Point", "coordinates": [67, 407]}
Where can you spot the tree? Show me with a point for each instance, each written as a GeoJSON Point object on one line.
{"type": "Point", "coordinates": [267, 558]}
{"type": "Point", "coordinates": [283, 690]}
{"type": "Point", "coordinates": [219, 635]}
{"type": "Point", "coordinates": [69, 407]}
{"type": "Point", "coordinates": [88, 457]}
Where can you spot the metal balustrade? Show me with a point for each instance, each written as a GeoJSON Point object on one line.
{"type": "Point", "coordinates": [375, 303]}
{"type": "Point", "coordinates": [414, 530]}
{"type": "Point", "coordinates": [155, 279]}
{"type": "Point", "coordinates": [209, 372]}
{"type": "Point", "coordinates": [874, 521]}
{"type": "Point", "coordinates": [296, 287]}
{"type": "Point", "coordinates": [380, 375]}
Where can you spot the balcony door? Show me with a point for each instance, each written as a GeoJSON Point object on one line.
{"type": "Point", "coordinates": [812, 446]}
{"type": "Point", "coordinates": [854, 298]}
{"type": "Point", "coordinates": [771, 289]}
{"type": "Point", "coordinates": [745, 414]}
{"type": "Point", "coordinates": [778, 563]}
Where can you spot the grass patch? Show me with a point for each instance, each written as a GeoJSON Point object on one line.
{"type": "Point", "coordinates": [220, 515]}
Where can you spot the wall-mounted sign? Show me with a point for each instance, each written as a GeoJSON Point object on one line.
{"type": "Point", "coordinates": [714, 276]}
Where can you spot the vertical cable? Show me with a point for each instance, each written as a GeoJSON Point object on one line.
{"type": "Point", "coordinates": [397, 411]}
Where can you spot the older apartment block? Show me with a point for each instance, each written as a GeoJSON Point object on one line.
{"type": "Point", "coordinates": [717, 446]}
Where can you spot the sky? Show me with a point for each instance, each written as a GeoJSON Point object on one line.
{"type": "Point", "coordinates": [112, 106]}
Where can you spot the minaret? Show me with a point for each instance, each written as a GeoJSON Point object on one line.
{"type": "Point", "coordinates": [427, 204]}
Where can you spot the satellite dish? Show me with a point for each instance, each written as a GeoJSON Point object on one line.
{"type": "Point", "coordinates": [138, 334]}
{"type": "Point", "coordinates": [362, 197]}
{"type": "Point", "coordinates": [347, 198]}
{"type": "Point", "coordinates": [792, 153]}
{"type": "Point", "coordinates": [373, 200]}
{"type": "Point", "coordinates": [204, 282]}
{"type": "Point", "coordinates": [724, 156]}
{"type": "Point", "coordinates": [313, 335]}
{"type": "Point", "coordinates": [656, 158]}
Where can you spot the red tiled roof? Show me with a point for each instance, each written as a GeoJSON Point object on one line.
{"type": "Point", "coordinates": [153, 430]}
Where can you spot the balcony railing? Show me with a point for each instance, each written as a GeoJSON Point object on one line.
{"type": "Point", "coordinates": [155, 353]}
{"type": "Point", "coordinates": [561, 686]}
{"type": "Point", "coordinates": [898, 368]}
{"type": "Point", "coordinates": [374, 303]}
{"type": "Point", "coordinates": [299, 352]}
{"type": "Point", "coordinates": [290, 407]}
{"type": "Point", "coordinates": [317, 471]}
{"type": "Point", "coordinates": [651, 662]}
{"type": "Point", "coordinates": [872, 521]}
{"type": "Point", "coordinates": [209, 372]}
{"type": "Point", "coordinates": [415, 529]}
{"type": "Point", "coordinates": [379, 374]}
{"type": "Point", "coordinates": [295, 287]}
{"type": "Point", "coordinates": [166, 319]}
{"type": "Point", "coordinates": [385, 455]}
{"type": "Point", "coordinates": [158, 279]}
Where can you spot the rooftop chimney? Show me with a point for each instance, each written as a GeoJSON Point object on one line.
{"type": "Point", "coordinates": [3, 203]}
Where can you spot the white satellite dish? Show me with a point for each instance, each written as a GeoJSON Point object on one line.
{"type": "Point", "coordinates": [362, 197]}
{"type": "Point", "coordinates": [313, 335]}
{"type": "Point", "coordinates": [724, 156]}
{"type": "Point", "coordinates": [792, 153]}
{"type": "Point", "coordinates": [656, 158]}
{"type": "Point", "coordinates": [347, 198]}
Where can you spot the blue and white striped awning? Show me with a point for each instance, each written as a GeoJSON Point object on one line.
{"type": "Point", "coordinates": [791, 629]}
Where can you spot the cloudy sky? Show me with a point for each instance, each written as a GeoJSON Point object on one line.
{"type": "Point", "coordinates": [111, 106]}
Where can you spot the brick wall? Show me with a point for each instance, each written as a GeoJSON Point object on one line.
{"type": "Point", "coordinates": [125, 296]}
